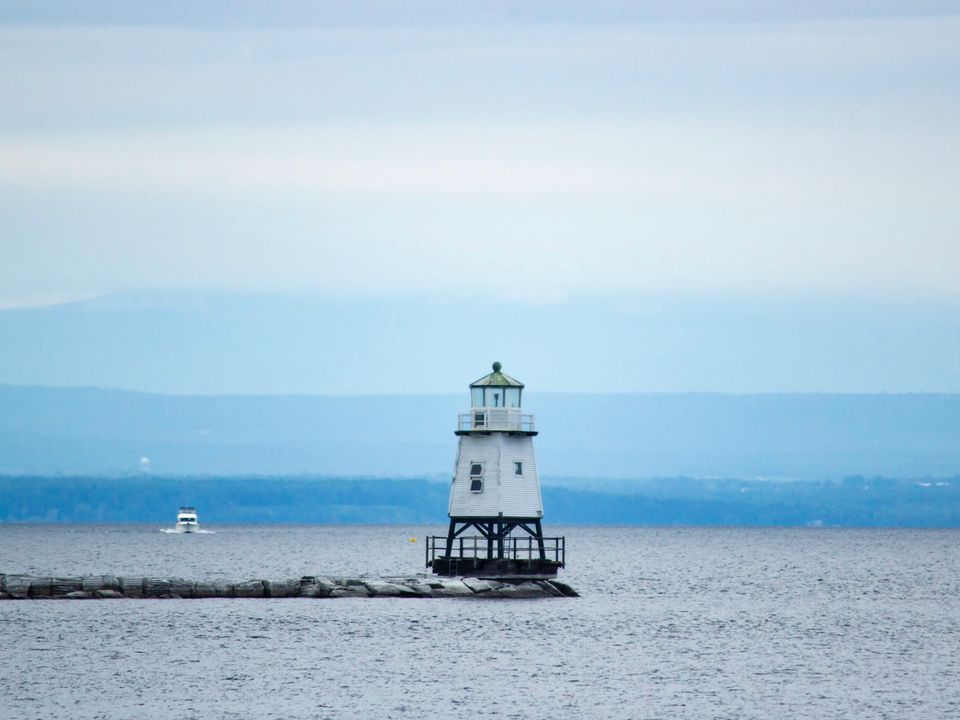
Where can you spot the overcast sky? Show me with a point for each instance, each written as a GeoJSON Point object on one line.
{"type": "Point", "coordinates": [534, 153]}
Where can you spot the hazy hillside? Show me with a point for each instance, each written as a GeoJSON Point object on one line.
{"type": "Point", "coordinates": [230, 343]}
{"type": "Point", "coordinates": [90, 431]}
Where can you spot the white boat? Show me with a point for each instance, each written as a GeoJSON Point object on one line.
{"type": "Point", "coordinates": [187, 520]}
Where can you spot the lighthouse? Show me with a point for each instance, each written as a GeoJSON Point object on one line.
{"type": "Point", "coordinates": [496, 491]}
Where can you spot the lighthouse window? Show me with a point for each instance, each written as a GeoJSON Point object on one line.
{"type": "Point", "coordinates": [476, 477]}
{"type": "Point", "coordinates": [518, 468]}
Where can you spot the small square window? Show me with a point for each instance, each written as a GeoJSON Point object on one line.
{"type": "Point", "coordinates": [518, 468]}
{"type": "Point", "coordinates": [476, 469]}
{"type": "Point", "coordinates": [476, 485]}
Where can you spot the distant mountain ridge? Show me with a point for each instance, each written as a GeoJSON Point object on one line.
{"type": "Point", "coordinates": [51, 431]}
{"type": "Point", "coordinates": [186, 342]}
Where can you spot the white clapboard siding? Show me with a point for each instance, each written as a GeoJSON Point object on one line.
{"type": "Point", "coordinates": [483, 449]}
{"type": "Point", "coordinates": [503, 492]}
{"type": "Point", "coordinates": [519, 494]}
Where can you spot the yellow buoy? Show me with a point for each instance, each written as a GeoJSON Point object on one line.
{"type": "Point", "coordinates": [413, 539]}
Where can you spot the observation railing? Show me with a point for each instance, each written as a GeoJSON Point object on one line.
{"type": "Point", "coordinates": [514, 548]}
{"type": "Point", "coordinates": [506, 419]}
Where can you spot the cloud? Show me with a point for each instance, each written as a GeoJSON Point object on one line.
{"type": "Point", "coordinates": [695, 165]}
{"type": "Point", "coordinates": [522, 162]}
{"type": "Point", "coordinates": [366, 13]}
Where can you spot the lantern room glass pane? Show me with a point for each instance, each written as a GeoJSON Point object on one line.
{"type": "Point", "coordinates": [476, 397]}
{"type": "Point", "coordinates": [512, 396]}
{"type": "Point", "coordinates": [495, 397]}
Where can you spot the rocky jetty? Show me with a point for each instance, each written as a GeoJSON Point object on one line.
{"type": "Point", "coordinates": [19, 587]}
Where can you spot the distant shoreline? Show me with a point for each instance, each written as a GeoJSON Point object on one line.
{"type": "Point", "coordinates": [854, 501]}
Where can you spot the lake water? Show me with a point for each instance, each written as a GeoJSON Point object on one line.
{"type": "Point", "coordinates": [673, 623]}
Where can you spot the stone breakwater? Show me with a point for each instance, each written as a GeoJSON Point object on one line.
{"type": "Point", "coordinates": [22, 587]}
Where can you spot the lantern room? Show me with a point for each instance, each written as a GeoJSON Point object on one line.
{"type": "Point", "coordinates": [496, 390]}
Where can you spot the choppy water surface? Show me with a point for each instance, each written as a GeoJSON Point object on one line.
{"type": "Point", "coordinates": [673, 623]}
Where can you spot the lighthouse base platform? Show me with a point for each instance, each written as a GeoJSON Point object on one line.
{"type": "Point", "coordinates": [496, 568]}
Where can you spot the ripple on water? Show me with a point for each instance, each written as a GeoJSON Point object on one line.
{"type": "Point", "coordinates": [680, 623]}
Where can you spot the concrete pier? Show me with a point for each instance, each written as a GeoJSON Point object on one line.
{"type": "Point", "coordinates": [22, 587]}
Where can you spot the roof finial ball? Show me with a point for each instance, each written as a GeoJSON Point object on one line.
{"type": "Point", "coordinates": [497, 366]}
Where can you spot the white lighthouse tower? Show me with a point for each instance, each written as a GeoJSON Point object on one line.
{"type": "Point", "coordinates": [496, 491]}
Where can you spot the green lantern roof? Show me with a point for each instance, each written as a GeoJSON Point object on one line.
{"type": "Point", "coordinates": [496, 379]}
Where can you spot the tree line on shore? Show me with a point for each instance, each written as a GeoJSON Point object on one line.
{"type": "Point", "coordinates": [853, 501]}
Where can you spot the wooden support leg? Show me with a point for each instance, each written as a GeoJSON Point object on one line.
{"type": "Point", "coordinates": [543, 552]}
{"type": "Point", "coordinates": [451, 533]}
